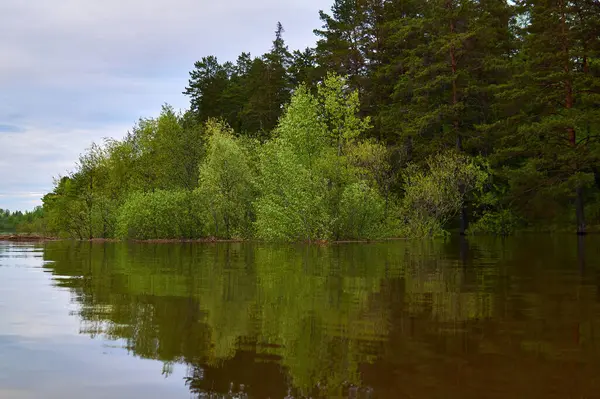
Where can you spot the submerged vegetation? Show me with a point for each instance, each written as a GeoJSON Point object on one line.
{"type": "Point", "coordinates": [411, 119]}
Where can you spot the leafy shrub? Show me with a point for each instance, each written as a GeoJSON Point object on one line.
{"type": "Point", "coordinates": [313, 184]}
{"type": "Point", "coordinates": [503, 222]}
{"type": "Point", "coordinates": [226, 184]}
{"type": "Point", "coordinates": [436, 193]}
{"type": "Point", "coordinates": [160, 215]}
{"type": "Point", "coordinates": [294, 196]}
{"type": "Point", "coordinates": [362, 212]}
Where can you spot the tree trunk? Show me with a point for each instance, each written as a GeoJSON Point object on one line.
{"type": "Point", "coordinates": [569, 100]}
{"type": "Point", "coordinates": [580, 210]}
{"type": "Point", "coordinates": [454, 66]}
{"type": "Point", "coordinates": [90, 205]}
{"type": "Point", "coordinates": [459, 145]}
{"type": "Point", "coordinates": [464, 217]}
{"type": "Point", "coordinates": [464, 221]}
{"type": "Point", "coordinates": [596, 176]}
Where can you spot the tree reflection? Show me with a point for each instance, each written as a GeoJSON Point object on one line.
{"type": "Point", "coordinates": [351, 321]}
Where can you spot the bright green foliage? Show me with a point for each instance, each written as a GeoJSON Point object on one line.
{"type": "Point", "coordinates": [227, 183]}
{"type": "Point", "coordinates": [161, 153]}
{"type": "Point", "coordinates": [160, 215]}
{"type": "Point", "coordinates": [64, 210]}
{"type": "Point", "coordinates": [310, 190]}
{"type": "Point", "coordinates": [435, 194]}
{"type": "Point", "coordinates": [83, 204]}
{"type": "Point", "coordinates": [293, 201]}
{"type": "Point", "coordinates": [372, 163]}
{"type": "Point", "coordinates": [340, 108]}
{"type": "Point", "coordinates": [362, 211]}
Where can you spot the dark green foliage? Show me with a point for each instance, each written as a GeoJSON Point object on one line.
{"type": "Point", "coordinates": [551, 118]}
{"type": "Point", "coordinates": [501, 223]}
{"type": "Point", "coordinates": [250, 94]}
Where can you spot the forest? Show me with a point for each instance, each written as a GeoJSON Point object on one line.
{"type": "Point", "coordinates": [406, 119]}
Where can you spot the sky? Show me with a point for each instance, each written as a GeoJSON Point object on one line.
{"type": "Point", "coordinates": [75, 71]}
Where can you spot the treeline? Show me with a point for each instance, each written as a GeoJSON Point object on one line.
{"type": "Point", "coordinates": [480, 116]}
{"type": "Point", "coordinates": [22, 222]}
{"type": "Point", "coordinates": [314, 179]}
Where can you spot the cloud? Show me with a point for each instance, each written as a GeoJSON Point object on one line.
{"type": "Point", "coordinates": [76, 70]}
{"type": "Point", "coordinates": [10, 129]}
{"type": "Point", "coordinates": [30, 160]}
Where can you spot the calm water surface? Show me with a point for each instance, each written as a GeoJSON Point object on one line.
{"type": "Point", "coordinates": [482, 318]}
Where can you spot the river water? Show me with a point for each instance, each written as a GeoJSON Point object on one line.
{"type": "Point", "coordinates": [476, 318]}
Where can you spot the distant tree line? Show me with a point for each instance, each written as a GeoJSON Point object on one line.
{"type": "Point", "coordinates": [408, 118]}
{"type": "Point", "coordinates": [22, 222]}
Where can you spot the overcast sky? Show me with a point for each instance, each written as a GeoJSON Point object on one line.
{"type": "Point", "coordinates": [75, 71]}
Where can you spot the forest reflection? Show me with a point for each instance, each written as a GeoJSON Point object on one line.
{"type": "Point", "coordinates": [402, 319]}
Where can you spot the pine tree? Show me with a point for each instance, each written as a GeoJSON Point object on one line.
{"type": "Point", "coordinates": [551, 129]}
{"type": "Point", "coordinates": [346, 45]}
{"type": "Point", "coordinates": [269, 87]}
{"type": "Point", "coordinates": [208, 82]}
{"type": "Point", "coordinates": [303, 68]}
{"type": "Point", "coordinates": [448, 55]}
{"type": "Point", "coordinates": [237, 94]}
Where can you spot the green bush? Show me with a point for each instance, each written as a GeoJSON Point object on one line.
{"type": "Point", "coordinates": [502, 223]}
{"type": "Point", "coordinates": [313, 184]}
{"type": "Point", "coordinates": [161, 215]}
{"type": "Point", "coordinates": [293, 204]}
{"type": "Point", "coordinates": [436, 193]}
{"type": "Point", "coordinates": [362, 212]}
{"type": "Point", "coordinates": [227, 184]}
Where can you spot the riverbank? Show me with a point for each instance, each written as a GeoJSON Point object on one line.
{"type": "Point", "coordinates": [25, 238]}
{"type": "Point", "coordinates": [208, 240]}
{"type": "Point", "coordinates": [212, 240]}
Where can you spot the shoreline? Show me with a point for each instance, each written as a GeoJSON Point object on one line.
{"type": "Point", "coordinates": [35, 238]}
{"type": "Point", "coordinates": [209, 240]}
{"type": "Point", "coordinates": [26, 238]}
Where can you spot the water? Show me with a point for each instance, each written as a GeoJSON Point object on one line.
{"type": "Point", "coordinates": [484, 318]}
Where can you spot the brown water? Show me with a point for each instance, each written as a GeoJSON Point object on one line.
{"type": "Point", "coordinates": [479, 318]}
